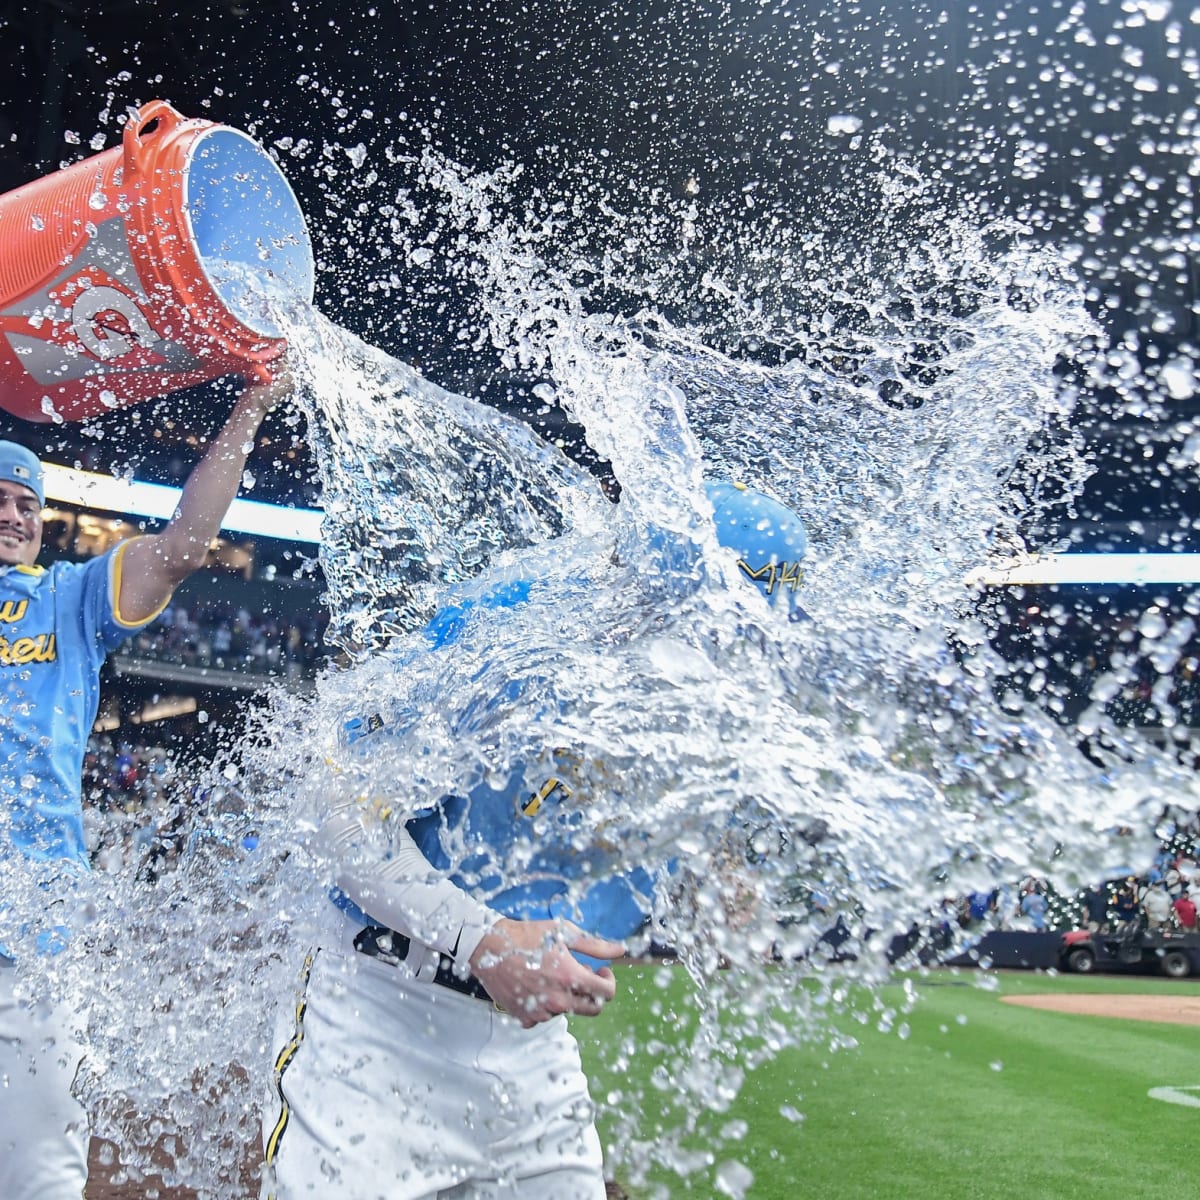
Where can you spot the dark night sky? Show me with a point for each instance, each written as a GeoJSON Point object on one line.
{"type": "Point", "coordinates": [1018, 102]}
{"type": "Point", "coordinates": [1081, 118]}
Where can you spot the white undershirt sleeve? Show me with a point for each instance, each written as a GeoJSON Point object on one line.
{"type": "Point", "coordinates": [405, 892]}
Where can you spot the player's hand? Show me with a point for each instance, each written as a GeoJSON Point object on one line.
{"type": "Point", "coordinates": [530, 973]}
{"type": "Point", "coordinates": [262, 397]}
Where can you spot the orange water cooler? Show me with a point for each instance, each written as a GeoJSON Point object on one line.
{"type": "Point", "coordinates": [147, 268]}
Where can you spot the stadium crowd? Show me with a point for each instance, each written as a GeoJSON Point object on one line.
{"type": "Point", "coordinates": [212, 634]}
{"type": "Point", "coordinates": [1158, 898]}
{"type": "Point", "coordinates": [1139, 667]}
{"type": "Point", "coordinates": [135, 806]}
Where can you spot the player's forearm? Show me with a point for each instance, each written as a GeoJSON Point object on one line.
{"type": "Point", "coordinates": [432, 911]}
{"type": "Point", "coordinates": [404, 892]}
{"type": "Point", "coordinates": [154, 566]}
{"type": "Point", "coordinates": [213, 484]}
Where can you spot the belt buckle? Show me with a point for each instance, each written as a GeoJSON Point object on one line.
{"type": "Point", "coordinates": [383, 944]}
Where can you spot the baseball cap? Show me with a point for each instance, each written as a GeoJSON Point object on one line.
{"type": "Point", "coordinates": [20, 465]}
{"type": "Point", "coordinates": [768, 538]}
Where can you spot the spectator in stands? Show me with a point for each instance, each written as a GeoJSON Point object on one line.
{"type": "Point", "coordinates": [1125, 904]}
{"type": "Point", "coordinates": [1156, 904]}
{"type": "Point", "coordinates": [1095, 908]}
{"type": "Point", "coordinates": [126, 769]}
{"type": "Point", "coordinates": [983, 906]}
{"type": "Point", "coordinates": [218, 636]}
{"type": "Point", "coordinates": [1033, 905]}
{"type": "Point", "coordinates": [1178, 872]}
{"type": "Point", "coordinates": [1185, 911]}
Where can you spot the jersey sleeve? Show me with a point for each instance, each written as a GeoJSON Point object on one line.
{"type": "Point", "coordinates": [102, 599]}
{"type": "Point", "coordinates": [404, 892]}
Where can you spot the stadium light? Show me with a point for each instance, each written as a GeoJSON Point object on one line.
{"type": "Point", "coordinates": [1145, 569]}
{"type": "Point", "coordinates": [90, 490]}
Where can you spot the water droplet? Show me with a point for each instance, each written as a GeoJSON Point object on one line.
{"type": "Point", "coordinates": [733, 1179]}
{"type": "Point", "coordinates": [1179, 377]}
{"type": "Point", "coordinates": [1151, 624]}
{"type": "Point", "coordinates": [843, 123]}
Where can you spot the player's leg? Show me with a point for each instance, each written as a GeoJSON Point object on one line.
{"type": "Point", "coordinates": [550, 1149]}
{"type": "Point", "coordinates": [377, 1097]}
{"type": "Point", "coordinates": [43, 1128]}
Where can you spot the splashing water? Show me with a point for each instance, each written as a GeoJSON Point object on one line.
{"type": "Point", "coordinates": [869, 762]}
{"type": "Point", "coordinates": [904, 388]}
{"type": "Point", "coordinates": [410, 480]}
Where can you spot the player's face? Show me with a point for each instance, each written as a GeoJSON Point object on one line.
{"type": "Point", "coordinates": [20, 525]}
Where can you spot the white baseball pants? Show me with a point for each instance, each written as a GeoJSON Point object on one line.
{"type": "Point", "coordinates": [393, 1089]}
{"type": "Point", "coordinates": [43, 1128]}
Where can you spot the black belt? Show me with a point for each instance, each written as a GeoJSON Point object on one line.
{"type": "Point", "coordinates": [392, 948]}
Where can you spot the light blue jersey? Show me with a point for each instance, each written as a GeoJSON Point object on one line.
{"type": "Point", "coordinates": [566, 868]}
{"type": "Point", "coordinates": [56, 628]}
{"type": "Point", "coordinates": [563, 874]}
{"type": "Point", "coordinates": [476, 837]}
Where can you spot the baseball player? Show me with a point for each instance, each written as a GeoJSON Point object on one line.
{"type": "Point", "coordinates": [428, 1053]}
{"type": "Point", "coordinates": [56, 627]}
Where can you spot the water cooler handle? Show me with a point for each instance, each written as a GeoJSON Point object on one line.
{"type": "Point", "coordinates": [158, 111]}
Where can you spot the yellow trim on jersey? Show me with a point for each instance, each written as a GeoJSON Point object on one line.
{"type": "Point", "coordinates": [116, 585]}
{"type": "Point", "coordinates": [281, 1065]}
{"type": "Point", "coordinates": [534, 803]}
{"type": "Point", "coordinates": [24, 570]}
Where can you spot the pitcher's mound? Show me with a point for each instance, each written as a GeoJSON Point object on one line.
{"type": "Point", "coordinates": [1172, 1010]}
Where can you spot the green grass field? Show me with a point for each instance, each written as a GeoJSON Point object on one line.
{"type": "Point", "coordinates": [981, 1100]}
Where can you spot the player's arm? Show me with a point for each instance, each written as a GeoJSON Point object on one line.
{"type": "Point", "coordinates": [404, 892]}
{"type": "Point", "coordinates": [526, 966]}
{"type": "Point", "coordinates": [154, 566]}
{"type": "Point", "coordinates": [530, 971]}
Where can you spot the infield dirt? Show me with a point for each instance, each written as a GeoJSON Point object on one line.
{"type": "Point", "coordinates": [1169, 1010]}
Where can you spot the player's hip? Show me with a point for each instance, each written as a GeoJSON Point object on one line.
{"type": "Point", "coordinates": [432, 1087]}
